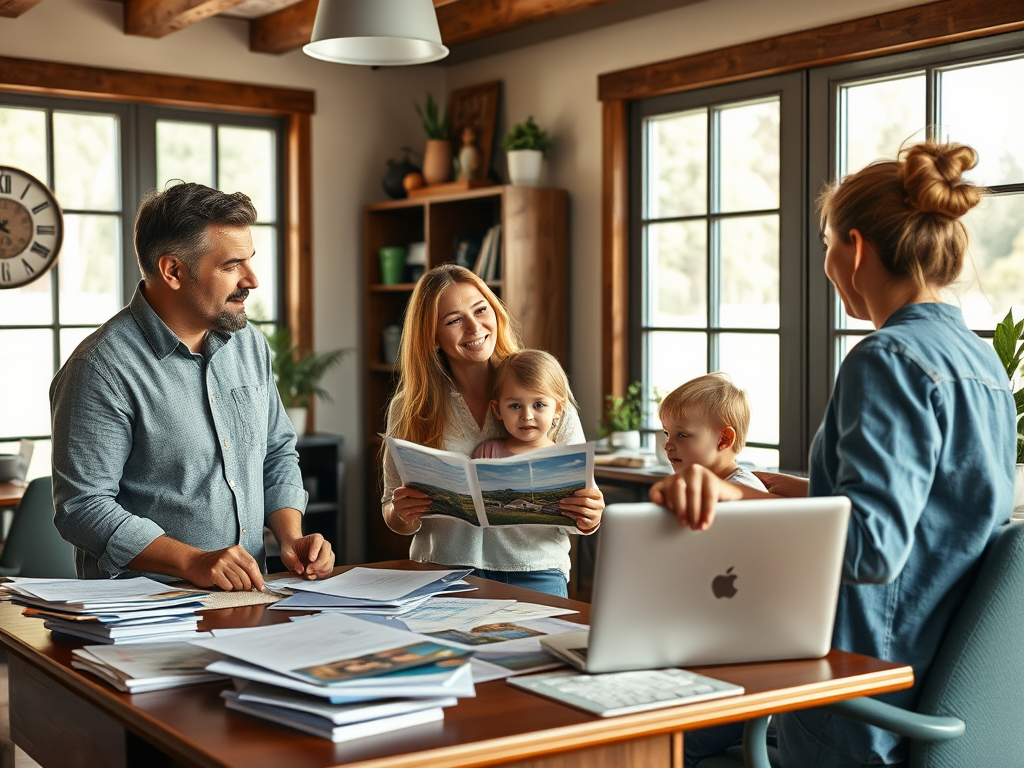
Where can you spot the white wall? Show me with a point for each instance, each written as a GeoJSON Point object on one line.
{"type": "Point", "coordinates": [556, 82]}
{"type": "Point", "coordinates": [362, 118]}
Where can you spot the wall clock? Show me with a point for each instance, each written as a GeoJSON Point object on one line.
{"type": "Point", "coordinates": [31, 228]}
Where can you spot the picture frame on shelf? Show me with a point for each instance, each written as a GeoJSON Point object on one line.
{"type": "Point", "coordinates": [476, 107]}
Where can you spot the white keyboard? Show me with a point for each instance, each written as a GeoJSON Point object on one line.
{"type": "Point", "coordinates": [619, 693]}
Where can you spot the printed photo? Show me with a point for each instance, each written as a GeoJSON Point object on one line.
{"type": "Point", "coordinates": [529, 491]}
{"type": "Point", "coordinates": [379, 663]}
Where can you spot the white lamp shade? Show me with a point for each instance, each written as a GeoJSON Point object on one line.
{"type": "Point", "coordinates": [376, 32]}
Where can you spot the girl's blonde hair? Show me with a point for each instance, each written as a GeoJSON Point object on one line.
{"type": "Point", "coordinates": [535, 370]}
{"type": "Point", "coordinates": [420, 408]}
{"type": "Point", "coordinates": [909, 209]}
{"type": "Point", "coordinates": [712, 397]}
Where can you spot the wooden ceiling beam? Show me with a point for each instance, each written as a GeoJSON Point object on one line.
{"type": "Point", "coordinates": [284, 30]}
{"type": "Point", "coordinates": [12, 9]}
{"type": "Point", "coordinates": [156, 18]}
{"type": "Point", "coordinates": [460, 20]}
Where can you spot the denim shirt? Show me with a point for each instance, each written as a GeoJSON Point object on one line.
{"type": "Point", "coordinates": [920, 435]}
{"type": "Point", "coordinates": [150, 438]}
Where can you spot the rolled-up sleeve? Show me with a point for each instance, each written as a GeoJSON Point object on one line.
{"type": "Point", "coordinates": [92, 437]}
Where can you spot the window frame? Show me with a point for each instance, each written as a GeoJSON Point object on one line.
{"type": "Point", "coordinates": [791, 332]}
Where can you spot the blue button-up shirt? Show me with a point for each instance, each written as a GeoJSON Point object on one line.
{"type": "Point", "coordinates": [920, 435]}
{"type": "Point", "coordinates": [150, 438]}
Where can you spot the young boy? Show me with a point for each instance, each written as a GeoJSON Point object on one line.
{"type": "Point", "coordinates": [705, 422]}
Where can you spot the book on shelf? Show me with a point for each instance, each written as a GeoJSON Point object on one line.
{"type": "Point", "coordinates": [494, 258]}
{"type": "Point", "coordinates": [481, 259]}
{"type": "Point", "coordinates": [524, 489]}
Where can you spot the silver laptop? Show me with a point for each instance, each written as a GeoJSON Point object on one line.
{"type": "Point", "coordinates": [760, 584]}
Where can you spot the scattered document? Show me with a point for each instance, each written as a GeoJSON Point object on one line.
{"type": "Point", "coordinates": [383, 585]}
{"type": "Point", "coordinates": [147, 667]}
{"type": "Point", "coordinates": [519, 490]}
{"type": "Point", "coordinates": [441, 613]}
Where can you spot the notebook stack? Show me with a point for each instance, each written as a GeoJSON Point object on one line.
{"type": "Point", "coordinates": [339, 677]}
{"type": "Point", "coordinates": [141, 667]}
{"type": "Point", "coordinates": [110, 611]}
{"type": "Point", "coordinates": [378, 591]}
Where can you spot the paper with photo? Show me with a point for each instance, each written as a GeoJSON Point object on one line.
{"type": "Point", "coordinates": [519, 490]}
{"type": "Point", "coordinates": [440, 613]}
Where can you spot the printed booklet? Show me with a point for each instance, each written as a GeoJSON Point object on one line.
{"type": "Point", "coordinates": [519, 490]}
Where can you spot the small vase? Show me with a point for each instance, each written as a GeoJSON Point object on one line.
{"type": "Point", "coordinates": [298, 419]}
{"type": "Point", "coordinates": [437, 161]}
{"type": "Point", "coordinates": [524, 167]}
{"type": "Point", "coordinates": [625, 441]}
{"type": "Point", "coordinates": [1018, 493]}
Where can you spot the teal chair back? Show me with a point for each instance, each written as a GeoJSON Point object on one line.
{"type": "Point", "coordinates": [33, 546]}
{"type": "Point", "coordinates": [978, 674]}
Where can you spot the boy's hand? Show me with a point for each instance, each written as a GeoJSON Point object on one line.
{"type": "Point", "coordinates": [784, 485]}
{"type": "Point", "coordinates": [586, 507]}
{"type": "Point", "coordinates": [692, 495]}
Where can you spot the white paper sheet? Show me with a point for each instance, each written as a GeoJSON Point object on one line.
{"type": "Point", "coordinates": [452, 613]}
{"type": "Point", "coordinates": [381, 584]}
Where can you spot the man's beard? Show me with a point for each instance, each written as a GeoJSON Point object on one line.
{"type": "Point", "coordinates": [228, 321]}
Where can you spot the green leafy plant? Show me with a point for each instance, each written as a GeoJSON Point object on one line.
{"type": "Point", "coordinates": [527, 135]}
{"type": "Point", "coordinates": [298, 374]}
{"type": "Point", "coordinates": [623, 414]}
{"type": "Point", "coordinates": [435, 122]}
{"type": "Point", "coordinates": [1010, 349]}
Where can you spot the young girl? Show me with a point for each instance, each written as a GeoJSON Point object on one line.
{"type": "Point", "coordinates": [529, 394]}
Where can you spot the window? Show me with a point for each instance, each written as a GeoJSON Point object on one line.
{"type": "Point", "coordinates": [716, 228]}
{"type": "Point", "coordinates": [724, 244]}
{"type": "Point", "coordinates": [84, 151]}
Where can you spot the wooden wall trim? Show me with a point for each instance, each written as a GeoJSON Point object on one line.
{"type": "Point", "coordinates": [54, 79]}
{"type": "Point", "coordinates": [921, 26]}
{"type": "Point", "coordinates": [615, 249]}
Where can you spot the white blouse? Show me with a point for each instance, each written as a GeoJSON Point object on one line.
{"type": "Point", "coordinates": [451, 542]}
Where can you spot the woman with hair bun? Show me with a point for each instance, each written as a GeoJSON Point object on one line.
{"type": "Point", "coordinates": [918, 433]}
{"type": "Point", "coordinates": [456, 331]}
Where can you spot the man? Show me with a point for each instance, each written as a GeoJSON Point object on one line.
{"type": "Point", "coordinates": [171, 448]}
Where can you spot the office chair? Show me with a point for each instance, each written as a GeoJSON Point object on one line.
{"type": "Point", "coordinates": [971, 706]}
{"type": "Point", "coordinates": [33, 546]}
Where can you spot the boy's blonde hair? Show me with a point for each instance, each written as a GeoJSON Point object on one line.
{"type": "Point", "coordinates": [536, 370]}
{"type": "Point", "coordinates": [711, 397]}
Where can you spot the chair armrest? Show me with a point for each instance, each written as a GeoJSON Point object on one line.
{"type": "Point", "coordinates": [9, 571]}
{"type": "Point", "coordinates": [897, 720]}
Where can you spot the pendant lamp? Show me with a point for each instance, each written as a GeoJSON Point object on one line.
{"type": "Point", "coordinates": [376, 32]}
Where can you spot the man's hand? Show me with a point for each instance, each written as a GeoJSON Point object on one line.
{"type": "Point", "coordinates": [229, 569]}
{"type": "Point", "coordinates": [310, 556]}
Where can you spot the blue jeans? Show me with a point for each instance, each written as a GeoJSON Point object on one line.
{"type": "Point", "coordinates": [550, 582]}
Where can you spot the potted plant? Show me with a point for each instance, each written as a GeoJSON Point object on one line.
{"type": "Point", "coordinates": [527, 145]}
{"type": "Point", "coordinates": [437, 159]}
{"type": "Point", "coordinates": [622, 418]}
{"type": "Point", "coordinates": [298, 374]}
{"type": "Point", "coordinates": [1010, 348]}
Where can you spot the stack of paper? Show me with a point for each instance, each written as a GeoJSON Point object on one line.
{"type": "Point", "coordinates": [340, 677]}
{"type": "Point", "coordinates": [372, 591]}
{"type": "Point", "coordinates": [138, 667]}
{"type": "Point", "coordinates": [110, 611]}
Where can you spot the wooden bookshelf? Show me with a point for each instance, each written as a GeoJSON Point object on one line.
{"type": "Point", "coordinates": [532, 281]}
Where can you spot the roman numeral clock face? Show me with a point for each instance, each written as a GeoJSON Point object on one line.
{"type": "Point", "coordinates": [31, 228]}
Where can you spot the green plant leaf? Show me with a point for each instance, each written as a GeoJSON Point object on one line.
{"type": "Point", "coordinates": [526, 135]}
{"type": "Point", "coordinates": [435, 122]}
{"type": "Point", "coordinates": [298, 374]}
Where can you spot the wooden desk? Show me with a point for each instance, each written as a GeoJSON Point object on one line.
{"type": "Point", "coordinates": [62, 717]}
{"type": "Point", "coordinates": [10, 494]}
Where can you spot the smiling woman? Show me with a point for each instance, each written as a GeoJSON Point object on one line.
{"type": "Point", "coordinates": [456, 331]}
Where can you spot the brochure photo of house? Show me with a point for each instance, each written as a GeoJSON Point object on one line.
{"type": "Point", "coordinates": [519, 490]}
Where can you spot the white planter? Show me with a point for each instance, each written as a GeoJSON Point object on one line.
{"type": "Point", "coordinates": [625, 441]}
{"type": "Point", "coordinates": [298, 419]}
{"type": "Point", "coordinates": [1018, 493]}
{"type": "Point", "coordinates": [524, 167]}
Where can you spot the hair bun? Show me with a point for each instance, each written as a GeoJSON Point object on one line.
{"type": "Point", "coordinates": [933, 178]}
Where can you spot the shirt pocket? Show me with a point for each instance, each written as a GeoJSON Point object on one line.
{"type": "Point", "coordinates": [251, 409]}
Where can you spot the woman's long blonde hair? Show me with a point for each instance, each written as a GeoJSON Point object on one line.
{"type": "Point", "coordinates": [420, 408]}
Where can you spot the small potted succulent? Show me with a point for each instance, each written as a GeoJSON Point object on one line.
{"type": "Point", "coordinates": [437, 159]}
{"type": "Point", "coordinates": [527, 146]}
{"type": "Point", "coordinates": [298, 375]}
{"type": "Point", "coordinates": [623, 417]}
{"type": "Point", "coordinates": [1010, 348]}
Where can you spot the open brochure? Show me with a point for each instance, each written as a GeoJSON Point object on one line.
{"type": "Point", "coordinates": [519, 490]}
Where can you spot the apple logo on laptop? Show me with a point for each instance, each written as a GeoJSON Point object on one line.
{"type": "Point", "coordinates": [723, 585]}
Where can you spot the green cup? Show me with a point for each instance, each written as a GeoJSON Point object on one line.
{"type": "Point", "coordinates": [392, 264]}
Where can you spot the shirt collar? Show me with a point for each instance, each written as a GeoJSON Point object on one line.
{"type": "Point", "coordinates": [926, 311]}
{"type": "Point", "coordinates": [161, 338]}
